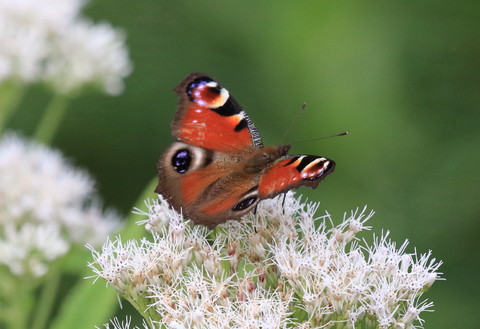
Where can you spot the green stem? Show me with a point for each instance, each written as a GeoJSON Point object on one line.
{"type": "Point", "coordinates": [134, 231]}
{"type": "Point", "coordinates": [141, 304]}
{"type": "Point", "coordinates": [24, 305]}
{"type": "Point", "coordinates": [50, 121]}
{"type": "Point", "coordinates": [10, 96]}
{"type": "Point", "coordinates": [19, 301]}
{"type": "Point", "coordinates": [47, 297]}
{"type": "Point", "coordinates": [95, 300]}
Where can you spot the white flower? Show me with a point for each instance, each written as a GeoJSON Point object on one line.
{"type": "Point", "coordinates": [279, 268]}
{"type": "Point", "coordinates": [116, 324]}
{"type": "Point", "coordinates": [196, 300]}
{"type": "Point", "coordinates": [39, 182]}
{"type": "Point", "coordinates": [29, 248]}
{"type": "Point", "coordinates": [50, 41]}
{"type": "Point", "coordinates": [87, 53]}
{"type": "Point", "coordinates": [46, 205]}
{"type": "Point", "coordinates": [25, 29]}
{"type": "Point", "coordinates": [158, 215]}
{"type": "Point", "coordinates": [54, 14]}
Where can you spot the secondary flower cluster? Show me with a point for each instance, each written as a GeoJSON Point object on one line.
{"type": "Point", "coordinates": [278, 268]}
{"type": "Point", "coordinates": [46, 206]}
{"type": "Point", "coordinates": [49, 41]}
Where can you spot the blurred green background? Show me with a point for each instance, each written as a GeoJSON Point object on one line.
{"type": "Point", "coordinates": [403, 77]}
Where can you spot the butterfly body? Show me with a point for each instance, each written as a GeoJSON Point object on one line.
{"type": "Point", "coordinates": [218, 169]}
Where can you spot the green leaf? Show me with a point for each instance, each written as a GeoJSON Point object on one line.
{"type": "Point", "coordinates": [88, 305]}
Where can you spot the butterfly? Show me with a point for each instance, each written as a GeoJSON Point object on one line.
{"type": "Point", "coordinates": [218, 169]}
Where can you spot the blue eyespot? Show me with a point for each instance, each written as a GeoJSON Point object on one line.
{"type": "Point", "coordinates": [181, 161]}
{"type": "Point", "coordinates": [244, 204]}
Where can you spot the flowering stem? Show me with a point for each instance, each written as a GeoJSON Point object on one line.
{"type": "Point", "coordinates": [10, 96]}
{"type": "Point", "coordinates": [141, 305]}
{"type": "Point", "coordinates": [21, 295]}
{"type": "Point", "coordinates": [79, 301]}
{"type": "Point", "coordinates": [51, 119]}
{"type": "Point", "coordinates": [47, 297]}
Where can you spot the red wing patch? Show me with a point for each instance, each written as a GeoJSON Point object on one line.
{"type": "Point", "coordinates": [194, 183]}
{"type": "Point", "coordinates": [209, 117]}
{"type": "Point", "coordinates": [292, 172]}
{"type": "Point", "coordinates": [218, 206]}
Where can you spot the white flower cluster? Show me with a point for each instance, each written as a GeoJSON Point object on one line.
{"type": "Point", "coordinates": [279, 268]}
{"type": "Point", "coordinates": [49, 41]}
{"type": "Point", "coordinates": [46, 205]}
{"type": "Point", "coordinates": [116, 324]}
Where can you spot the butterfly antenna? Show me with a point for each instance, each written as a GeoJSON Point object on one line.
{"type": "Point", "coordinates": [293, 122]}
{"type": "Point", "coordinates": [344, 133]}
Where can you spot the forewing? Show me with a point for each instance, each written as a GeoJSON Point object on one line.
{"type": "Point", "coordinates": [210, 118]}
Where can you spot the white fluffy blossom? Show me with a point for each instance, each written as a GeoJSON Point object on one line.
{"type": "Point", "coordinates": [46, 206]}
{"type": "Point", "coordinates": [88, 53]}
{"type": "Point", "coordinates": [115, 323]}
{"type": "Point", "coordinates": [30, 247]}
{"type": "Point", "coordinates": [279, 268]}
{"type": "Point", "coordinates": [49, 41]}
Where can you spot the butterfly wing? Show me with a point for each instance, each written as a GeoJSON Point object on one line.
{"type": "Point", "coordinates": [206, 186]}
{"type": "Point", "coordinates": [210, 118]}
{"type": "Point", "coordinates": [210, 188]}
{"type": "Point", "coordinates": [201, 174]}
{"type": "Point", "coordinates": [293, 171]}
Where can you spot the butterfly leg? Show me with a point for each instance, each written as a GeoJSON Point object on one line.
{"type": "Point", "coordinates": [283, 202]}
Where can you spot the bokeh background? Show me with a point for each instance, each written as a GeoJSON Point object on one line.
{"type": "Point", "coordinates": [403, 77]}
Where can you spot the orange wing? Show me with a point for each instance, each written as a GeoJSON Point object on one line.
{"type": "Point", "coordinates": [209, 117]}
{"type": "Point", "coordinates": [294, 171]}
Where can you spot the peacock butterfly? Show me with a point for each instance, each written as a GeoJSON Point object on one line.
{"type": "Point", "coordinates": [218, 169]}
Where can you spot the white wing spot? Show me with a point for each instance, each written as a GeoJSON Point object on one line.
{"type": "Point", "coordinates": [221, 99]}
{"type": "Point", "coordinates": [212, 84]}
{"type": "Point", "coordinates": [313, 163]}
